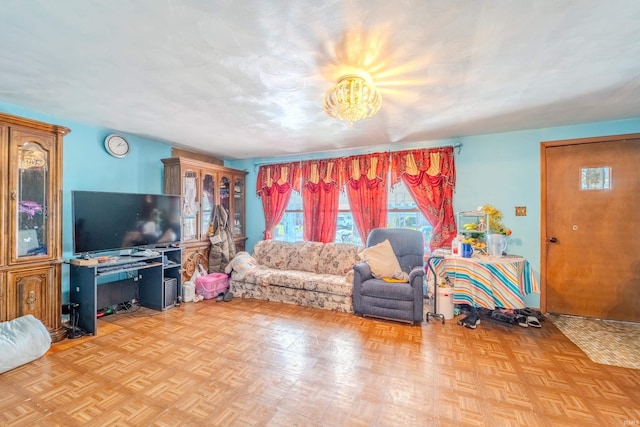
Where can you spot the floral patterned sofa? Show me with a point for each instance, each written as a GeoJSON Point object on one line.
{"type": "Point", "coordinates": [310, 274]}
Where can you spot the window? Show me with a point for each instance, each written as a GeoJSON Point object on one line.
{"type": "Point", "coordinates": [401, 213]}
{"type": "Point", "coordinates": [289, 229]}
{"type": "Point", "coordinates": [346, 231]}
{"type": "Point", "coordinates": [595, 178]}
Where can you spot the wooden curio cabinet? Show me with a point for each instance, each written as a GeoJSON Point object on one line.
{"type": "Point", "coordinates": [202, 186]}
{"type": "Point", "coordinates": [31, 221]}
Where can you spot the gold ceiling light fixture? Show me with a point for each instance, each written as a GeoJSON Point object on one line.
{"type": "Point", "coordinates": [352, 98]}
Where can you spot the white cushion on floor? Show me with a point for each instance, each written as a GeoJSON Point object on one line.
{"type": "Point", "coordinates": [22, 340]}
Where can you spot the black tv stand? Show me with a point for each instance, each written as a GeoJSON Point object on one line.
{"type": "Point", "coordinates": [144, 277]}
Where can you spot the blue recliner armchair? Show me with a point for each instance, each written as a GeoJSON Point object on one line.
{"type": "Point", "coordinates": [394, 301]}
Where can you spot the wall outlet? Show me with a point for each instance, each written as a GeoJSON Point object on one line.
{"type": "Point", "coordinates": [521, 211]}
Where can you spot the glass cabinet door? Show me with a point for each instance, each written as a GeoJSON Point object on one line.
{"type": "Point", "coordinates": [208, 200]}
{"type": "Point", "coordinates": [190, 206]}
{"type": "Point", "coordinates": [32, 199]}
{"type": "Point", "coordinates": [238, 207]}
{"type": "Point", "coordinates": [225, 190]}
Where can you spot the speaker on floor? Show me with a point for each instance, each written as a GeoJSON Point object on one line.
{"type": "Point", "coordinates": [170, 292]}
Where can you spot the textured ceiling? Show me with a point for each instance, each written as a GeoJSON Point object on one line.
{"type": "Point", "coordinates": [243, 79]}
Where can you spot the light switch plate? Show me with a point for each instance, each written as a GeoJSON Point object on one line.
{"type": "Point", "coordinates": [521, 211]}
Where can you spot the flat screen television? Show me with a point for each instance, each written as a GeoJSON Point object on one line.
{"type": "Point", "coordinates": [104, 221]}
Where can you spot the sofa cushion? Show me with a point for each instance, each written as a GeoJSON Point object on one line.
{"type": "Point", "coordinates": [380, 289]}
{"type": "Point", "coordinates": [304, 256]}
{"type": "Point", "coordinates": [334, 302]}
{"type": "Point", "coordinates": [338, 258]}
{"type": "Point", "coordinates": [272, 253]}
{"type": "Point", "coordinates": [324, 283]}
{"type": "Point", "coordinates": [248, 277]}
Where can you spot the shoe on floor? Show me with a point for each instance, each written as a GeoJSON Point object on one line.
{"type": "Point", "coordinates": [228, 296]}
{"type": "Point", "coordinates": [471, 321]}
{"type": "Point", "coordinates": [533, 322]}
{"type": "Point", "coordinates": [530, 312]}
{"type": "Point", "coordinates": [522, 321]}
{"type": "Point", "coordinates": [504, 316]}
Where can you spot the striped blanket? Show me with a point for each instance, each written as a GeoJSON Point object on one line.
{"type": "Point", "coordinates": [487, 282]}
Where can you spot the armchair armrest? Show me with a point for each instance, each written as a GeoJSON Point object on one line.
{"type": "Point", "coordinates": [362, 272]}
{"type": "Point", "coordinates": [414, 274]}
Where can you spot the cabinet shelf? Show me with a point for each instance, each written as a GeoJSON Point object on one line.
{"type": "Point", "coordinates": [476, 235]}
{"type": "Point", "coordinates": [476, 214]}
{"type": "Point", "coordinates": [124, 268]}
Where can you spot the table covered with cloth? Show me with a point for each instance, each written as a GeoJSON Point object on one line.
{"type": "Point", "coordinates": [489, 282]}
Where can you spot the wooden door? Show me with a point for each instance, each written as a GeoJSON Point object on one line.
{"type": "Point", "coordinates": [590, 205]}
{"type": "Point", "coordinates": [32, 233]}
{"type": "Point", "coordinates": [4, 201]}
{"type": "Point", "coordinates": [30, 291]}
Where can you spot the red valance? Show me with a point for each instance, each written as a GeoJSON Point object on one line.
{"type": "Point", "coordinates": [280, 174]}
{"type": "Point", "coordinates": [325, 172]}
{"type": "Point", "coordinates": [430, 161]}
{"type": "Point", "coordinates": [373, 166]}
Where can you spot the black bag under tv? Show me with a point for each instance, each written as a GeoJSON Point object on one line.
{"type": "Point", "coordinates": [104, 221]}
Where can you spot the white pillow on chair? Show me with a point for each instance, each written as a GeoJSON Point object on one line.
{"type": "Point", "coordinates": [382, 260]}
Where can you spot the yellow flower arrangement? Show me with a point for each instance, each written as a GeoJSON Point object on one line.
{"type": "Point", "coordinates": [495, 220]}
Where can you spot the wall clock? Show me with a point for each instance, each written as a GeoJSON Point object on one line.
{"type": "Point", "coordinates": [116, 145]}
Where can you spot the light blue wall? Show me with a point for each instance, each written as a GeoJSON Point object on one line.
{"type": "Point", "coordinates": [499, 169]}
{"type": "Point", "coordinates": [87, 166]}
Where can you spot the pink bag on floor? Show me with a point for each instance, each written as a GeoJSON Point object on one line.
{"type": "Point", "coordinates": [212, 285]}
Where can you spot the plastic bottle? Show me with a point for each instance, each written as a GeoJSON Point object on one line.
{"type": "Point", "coordinates": [456, 246]}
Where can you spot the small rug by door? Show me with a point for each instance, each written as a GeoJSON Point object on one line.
{"type": "Point", "coordinates": [608, 342]}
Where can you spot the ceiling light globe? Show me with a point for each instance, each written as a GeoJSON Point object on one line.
{"type": "Point", "coordinates": [352, 99]}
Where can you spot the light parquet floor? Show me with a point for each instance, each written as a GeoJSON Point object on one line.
{"type": "Point", "coordinates": [256, 363]}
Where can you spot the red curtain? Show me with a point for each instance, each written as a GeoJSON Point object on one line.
{"type": "Point", "coordinates": [366, 182]}
{"type": "Point", "coordinates": [430, 177]}
{"type": "Point", "coordinates": [274, 185]}
{"type": "Point", "coordinates": [320, 194]}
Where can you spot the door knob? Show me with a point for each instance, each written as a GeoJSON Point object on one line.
{"type": "Point", "coordinates": [552, 240]}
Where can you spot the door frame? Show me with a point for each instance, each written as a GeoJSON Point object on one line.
{"type": "Point", "coordinates": [543, 198]}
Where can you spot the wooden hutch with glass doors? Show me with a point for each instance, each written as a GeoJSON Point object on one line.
{"type": "Point", "coordinates": [31, 221]}
{"type": "Point", "coordinates": [204, 185]}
